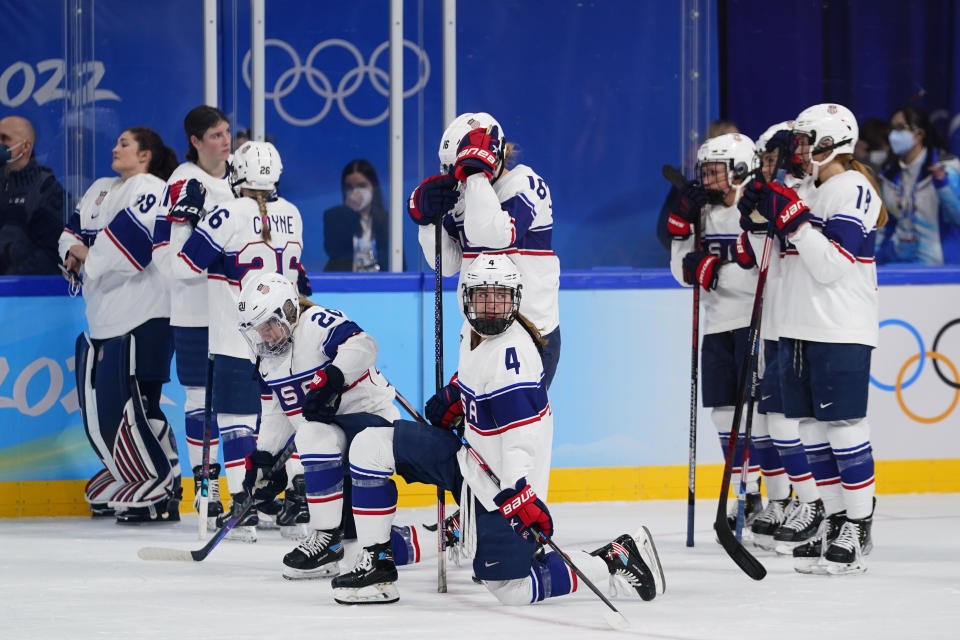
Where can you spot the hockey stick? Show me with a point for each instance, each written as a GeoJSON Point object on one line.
{"type": "Point", "coordinates": [737, 552]}
{"type": "Point", "coordinates": [438, 364]}
{"type": "Point", "coordinates": [166, 553]}
{"type": "Point", "coordinates": [205, 453]}
{"type": "Point", "coordinates": [675, 177]}
{"type": "Point", "coordinates": [613, 617]}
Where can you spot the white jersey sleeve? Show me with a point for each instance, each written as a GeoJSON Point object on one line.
{"type": "Point", "coordinates": [123, 248]}
{"type": "Point", "coordinates": [451, 253]}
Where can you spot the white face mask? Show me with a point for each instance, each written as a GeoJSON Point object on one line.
{"type": "Point", "coordinates": [901, 141]}
{"type": "Point", "coordinates": [360, 198]}
{"type": "Point", "coordinates": [876, 157]}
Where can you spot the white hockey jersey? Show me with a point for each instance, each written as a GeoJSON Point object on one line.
{"type": "Point", "coordinates": [829, 290]}
{"type": "Point", "coordinates": [188, 299]}
{"type": "Point", "coordinates": [507, 415]}
{"type": "Point", "coordinates": [728, 306]}
{"type": "Point", "coordinates": [227, 243]}
{"type": "Point", "coordinates": [322, 337]}
{"type": "Point", "coordinates": [122, 286]}
{"type": "Point", "coordinates": [513, 217]}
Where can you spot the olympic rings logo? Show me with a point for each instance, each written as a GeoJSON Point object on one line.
{"type": "Point", "coordinates": [346, 87]}
{"type": "Point", "coordinates": [934, 355]}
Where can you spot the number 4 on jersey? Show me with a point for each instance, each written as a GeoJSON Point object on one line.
{"type": "Point", "coordinates": [511, 361]}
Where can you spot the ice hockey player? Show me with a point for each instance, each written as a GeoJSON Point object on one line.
{"type": "Point", "coordinates": [234, 242]}
{"type": "Point", "coordinates": [724, 164]}
{"type": "Point", "coordinates": [208, 146]}
{"type": "Point", "coordinates": [827, 317]}
{"type": "Point", "coordinates": [508, 421]}
{"type": "Point", "coordinates": [484, 205]}
{"type": "Point", "coordinates": [320, 368]}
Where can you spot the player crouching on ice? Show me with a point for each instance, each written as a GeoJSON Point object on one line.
{"type": "Point", "coordinates": [501, 395]}
{"type": "Point", "coordinates": [320, 369]}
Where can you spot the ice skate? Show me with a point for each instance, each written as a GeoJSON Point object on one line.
{"type": "Point", "coordinates": [845, 554]}
{"type": "Point", "coordinates": [373, 579]}
{"type": "Point", "coordinates": [214, 506]}
{"type": "Point", "coordinates": [768, 521]}
{"type": "Point", "coordinates": [294, 517]}
{"type": "Point", "coordinates": [318, 556]}
{"type": "Point", "coordinates": [246, 529]}
{"type": "Point", "coordinates": [633, 562]}
{"type": "Point", "coordinates": [800, 526]}
{"type": "Point", "coordinates": [164, 511]}
{"type": "Point", "coordinates": [808, 557]}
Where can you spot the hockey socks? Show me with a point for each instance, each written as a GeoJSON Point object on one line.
{"type": "Point", "coordinates": [193, 423]}
{"type": "Point", "coordinates": [374, 502]}
{"type": "Point", "coordinates": [238, 441]}
{"type": "Point", "coordinates": [823, 464]}
{"type": "Point", "coordinates": [854, 455]}
{"type": "Point", "coordinates": [722, 418]}
{"type": "Point", "coordinates": [785, 434]}
{"type": "Point", "coordinates": [766, 455]}
{"type": "Point", "coordinates": [323, 480]}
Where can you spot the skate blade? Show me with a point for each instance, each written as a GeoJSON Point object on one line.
{"type": "Point", "coordinates": [242, 534]}
{"type": "Point", "coordinates": [295, 532]}
{"type": "Point", "coordinates": [786, 548]}
{"type": "Point", "coordinates": [648, 551]}
{"type": "Point", "coordinates": [266, 521]}
{"type": "Point", "coordinates": [842, 569]}
{"type": "Point", "coordinates": [763, 542]}
{"type": "Point", "coordinates": [810, 566]}
{"type": "Point", "coordinates": [383, 593]}
{"type": "Point", "coordinates": [328, 570]}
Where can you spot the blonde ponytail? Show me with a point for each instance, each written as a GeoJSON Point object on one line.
{"type": "Point", "coordinates": [264, 219]}
{"type": "Point", "coordinates": [850, 163]}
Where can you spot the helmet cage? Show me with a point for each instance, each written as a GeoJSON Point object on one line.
{"type": "Point", "coordinates": [496, 315]}
{"type": "Point", "coordinates": [271, 336]}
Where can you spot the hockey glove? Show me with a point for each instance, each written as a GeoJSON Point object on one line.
{"type": "Point", "coordinates": [430, 201]}
{"type": "Point", "coordinates": [701, 267]}
{"type": "Point", "coordinates": [478, 152]}
{"type": "Point", "coordinates": [323, 398]}
{"type": "Point", "coordinates": [784, 207]}
{"type": "Point", "coordinates": [692, 199]}
{"type": "Point", "coordinates": [747, 205]}
{"type": "Point", "coordinates": [304, 287]}
{"type": "Point", "coordinates": [263, 488]}
{"type": "Point", "coordinates": [746, 258]}
{"type": "Point", "coordinates": [527, 514]}
{"type": "Point", "coordinates": [444, 409]}
{"type": "Point", "coordinates": [189, 206]}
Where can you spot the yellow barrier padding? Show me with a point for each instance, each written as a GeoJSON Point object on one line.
{"type": "Point", "coordinates": [65, 497]}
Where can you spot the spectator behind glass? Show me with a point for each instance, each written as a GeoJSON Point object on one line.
{"type": "Point", "coordinates": [716, 128]}
{"type": "Point", "coordinates": [356, 233]}
{"type": "Point", "coordinates": [920, 185]}
{"type": "Point", "coordinates": [31, 204]}
{"type": "Point", "coordinates": [873, 147]}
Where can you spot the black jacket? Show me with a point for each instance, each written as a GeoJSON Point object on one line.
{"type": "Point", "coordinates": [31, 220]}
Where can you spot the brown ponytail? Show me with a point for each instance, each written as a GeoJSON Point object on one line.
{"type": "Point", "coordinates": [848, 164]}
{"type": "Point", "coordinates": [264, 219]}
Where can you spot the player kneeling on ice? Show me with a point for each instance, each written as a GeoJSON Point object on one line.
{"type": "Point", "coordinates": [323, 386]}
{"type": "Point", "coordinates": [507, 421]}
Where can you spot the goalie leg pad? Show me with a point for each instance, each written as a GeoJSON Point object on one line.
{"type": "Point", "coordinates": [117, 426]}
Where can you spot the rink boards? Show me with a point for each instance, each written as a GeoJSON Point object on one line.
{"type": "Point", "coordinates": [620, 397]}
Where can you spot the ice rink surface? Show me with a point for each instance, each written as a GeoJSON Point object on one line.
{"type": "Point", "coordinates": [71, 578]}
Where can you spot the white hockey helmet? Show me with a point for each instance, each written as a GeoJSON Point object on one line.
{"type": "Point", "coordinates": [737, 154]}
{"type": "Point", "coordinates": [828, 127]}
{"type": "Point", "coordinates": [268, 307]}
{"type": "Point", "coordinates": [255, 165]}
{"type": "Point", "coordinates": [461, 126]}
{"type": "Point", "coordinates": [497, 280]}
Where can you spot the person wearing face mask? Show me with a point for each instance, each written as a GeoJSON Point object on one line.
{"type": "Point", "coordinates": [873, 147]}
{"type": "Point", "coordinates": [356, 233]}
{"type": "Point", "coordinates": [920, 185]}
{"type": "Point", "coordinates": [31, 204]}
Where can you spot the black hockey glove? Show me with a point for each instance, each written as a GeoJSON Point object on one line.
{"type": "Point", "coordinates": [189, 205]}
{"type": "Point", "coordinates": [444, 409]}
{"type": "Point", "coordinates": [255, 481]}
{"type": "Point", "coordinates": [747, 205]}
{"type": "Point", "coordinates": [681, 220]}
{"type": "Point", "coordinates": [432, 199]}
{"type": "Point", "coordinates": [323, 399]}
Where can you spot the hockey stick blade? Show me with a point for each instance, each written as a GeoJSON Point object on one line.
{"type": "Point", "coordinates": [616, 620]}
{"type": "Point", "coordinates": [164, 553]}
{"type": "Point", "coordinates": [743, 559]}
{"type": "Point", "coordinates": [673, 175]}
